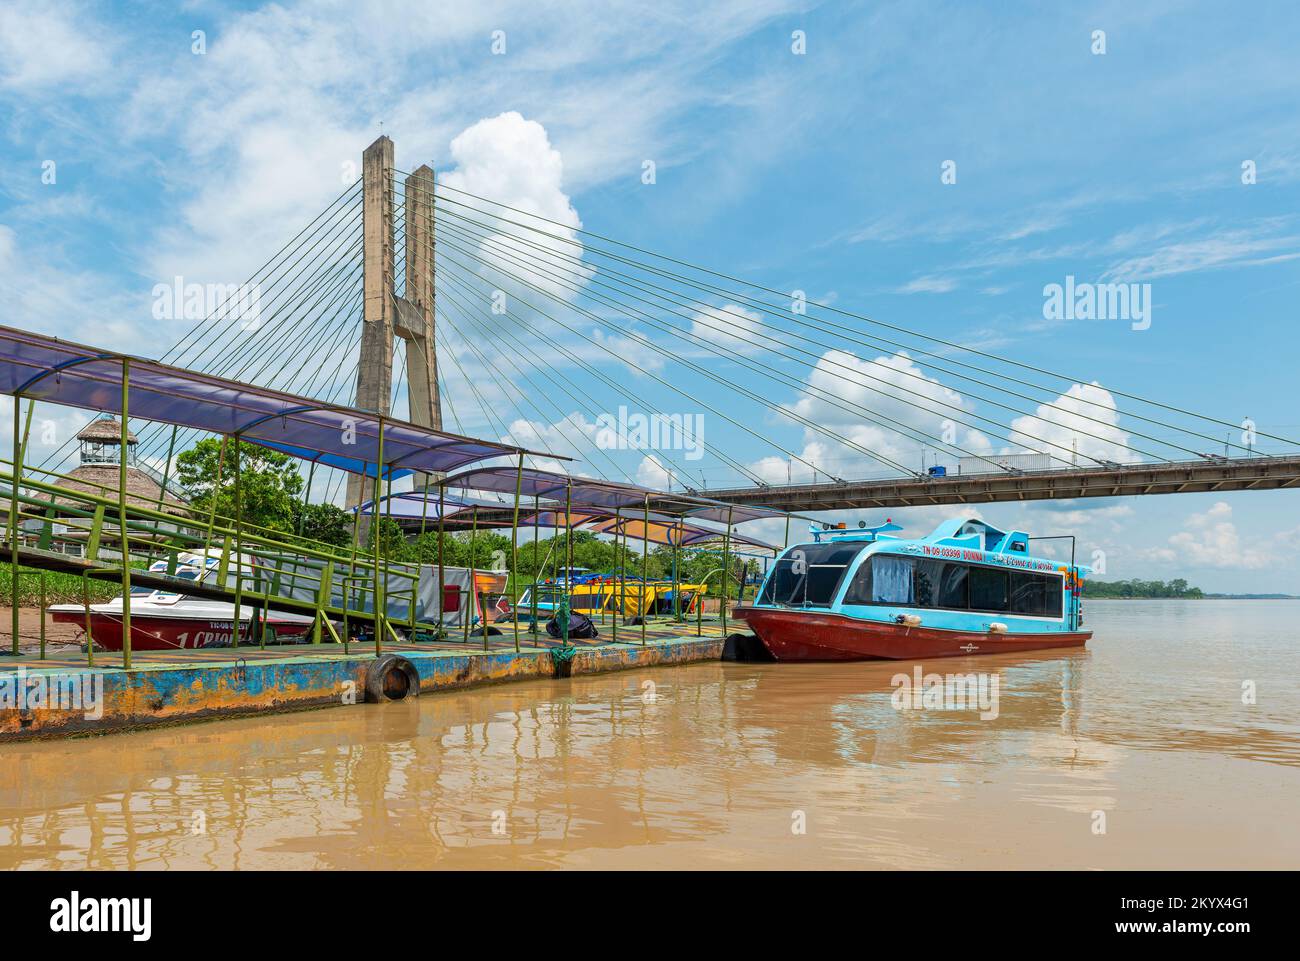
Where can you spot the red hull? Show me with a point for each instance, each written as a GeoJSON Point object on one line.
{"type": "Point", "coordinates": [175, 633]}
{"type": "Point", "coordinates": [823, 636]}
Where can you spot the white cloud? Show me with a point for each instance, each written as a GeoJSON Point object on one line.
{"type": "Point", "coordinates": [511, 161]}
{"type": "Point", "coordinates": [1211, 539]}
{"type": "Point", "coordinates": [732, 328]}
{"type": "Point", "coordinates": [1084, 418]}
{"type": "Point", "coordinates": [928, 285]}
{"type": "Point", "coordinates": [46, 47]}
{"type": "Point", "coordinates": [1229, 248]}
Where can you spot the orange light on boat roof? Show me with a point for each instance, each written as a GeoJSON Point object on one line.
{"type": "Point", "coordinates": [841, 526]}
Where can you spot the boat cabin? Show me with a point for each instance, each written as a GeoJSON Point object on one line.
{"type": "Point", "coordinates": [965, 575]}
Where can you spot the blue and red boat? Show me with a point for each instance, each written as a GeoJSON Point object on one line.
{"type": "Point", "coordinates": [866, 594]}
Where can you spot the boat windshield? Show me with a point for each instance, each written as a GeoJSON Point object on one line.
{"type": "Point", "coordinates": [810, 574]}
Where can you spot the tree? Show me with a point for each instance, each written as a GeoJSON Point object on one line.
{"type": "Point", "coordinates": [323, 523]}
{"type": "Point", "coordinates": [268, 483]}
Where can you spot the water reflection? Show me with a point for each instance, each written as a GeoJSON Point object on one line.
{"type": "Point", "coordinates": [711, 765]}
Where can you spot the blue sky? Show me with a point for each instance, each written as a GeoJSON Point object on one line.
{"type": "Point", "coordinates": [818, 172]}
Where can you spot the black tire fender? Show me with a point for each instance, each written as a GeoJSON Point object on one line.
{"type": "Point", "coordinates": [391, 677]}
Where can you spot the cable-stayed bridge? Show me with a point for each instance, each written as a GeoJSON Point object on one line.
{"type": "Point", "coordinates": [416, 297]}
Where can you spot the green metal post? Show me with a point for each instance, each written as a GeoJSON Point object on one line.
{"type": "Point", "coordinates": [726, 570]}
{"type": "Point", "coordinates": [306, 496]}
{"type": "Point", "coordinates": [121, 514]}
{"type": "Point", "coordinates": [378, 593]}
{"type": "Point", "coordinates": [514, 552]}
{"type": "Point", "coordinates": [42, 615]}
{"type": "Point", "coordinates": [13, 521]}
{"type": "Point", "coordinates": [239, 557]}
{"type": "Point", "coordinates": [621, 553]}
{"type": "Point", "coordinates": [537, 570]}
{"type": "Point", "coordinates": [167, 470]}
{"type": "Point", "coordinates": [212, 512]}
{"type": "Point", "coordinates": [677, 591]}
{"type": "Point", "coordinates": [469, 594]}
{"type": "Point", "coordinates": [618, 522]}
{"type": "Point", "coordinates": [568, 553]}
{"type": "Point", "coordinates": [85, 603]}
{"type": "Point", "coordinates": [645, 567]}
{"type": "Point", "coordinates": [442, 583]}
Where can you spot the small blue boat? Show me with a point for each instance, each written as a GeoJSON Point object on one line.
{"type": "Point", "coordinates": [967, 588]}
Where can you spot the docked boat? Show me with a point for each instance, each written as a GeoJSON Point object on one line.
{"type": "Point", "coordinates": [866, 594]}
{"type": "Point", "coordinates": [594, 593]}
{"type": "Point", "coordinates": [167, 620]}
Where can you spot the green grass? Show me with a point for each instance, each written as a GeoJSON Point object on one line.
{"type": "Point", "coordinates": [59, 588]}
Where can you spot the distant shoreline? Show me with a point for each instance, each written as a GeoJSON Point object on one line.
{"type": "Point", "coordinates": [1203, 597]}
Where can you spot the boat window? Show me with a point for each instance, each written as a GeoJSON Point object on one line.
{"type": "Point", "coordinates": [1038, 594]}
{"type": "Point", "coordinates": [947, 585]}
{"type": "Point", "coordinates": [810, 574]}
{"type": "Point", "coordinates": [941, 584]}
{"type": "Point", "coordinates": [989, 589]}
{"type": "Point", "coordinates": [891, 579]}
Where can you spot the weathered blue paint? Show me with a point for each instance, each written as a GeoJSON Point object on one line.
{"type": "Point", "coordinates": [164, 693]}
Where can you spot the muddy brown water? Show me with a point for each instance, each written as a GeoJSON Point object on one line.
{"type": "Point", "coordinates": [725, 766]}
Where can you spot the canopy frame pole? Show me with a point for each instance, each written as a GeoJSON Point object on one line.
{"type": "Point", "coordinates": [85, 603]}
{"type": "Point", "coordinates": [239, 557]}
{"type": "Point", "coordinates": [376, 592]}
{"type": "Point", "coordinates": [387, 490]}
{"type": "Point", "coordinates": [618, 522]}
{"type": "Point", "coordinates": [306, 497]}
{"type": "Point", "coordinates": [537, 570]}
{"type": "Point", "coordinates": [123, 539]}
{"type": "Point", "coordinates": [442, 576]}
{"type": "Point", "coordinates": [677, 598]}
{"type": "Point", "coordinates": [568, 553]}
{"type": "Point", "coordinates": [13, 520]}
{"type": "Point", "coordinates": [212, 508]}
{"type": "Point", "coordinates": [469, 593]}
{"type": "Point", "coordinates": [726, 570]}
{"type": "Point", "coordinates": [167, 468]}
{"type": "Point", "coordinates": [645, 567]}
{"type": "Point", "coordinates": [622, 568]}
{"type": "Point", "coordinates": [514, 551]}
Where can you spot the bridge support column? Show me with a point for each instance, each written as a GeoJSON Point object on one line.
{"type": "Point", "coordinates": [375, 368]}
{"type": "Point", "coordinates": [415, 314]}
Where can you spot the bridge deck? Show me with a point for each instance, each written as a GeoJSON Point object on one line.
{"type": "Point", "coordinates": [1255, 473]}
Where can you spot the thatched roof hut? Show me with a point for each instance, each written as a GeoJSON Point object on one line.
{"type": "Point", "coordinates": [98, 473]}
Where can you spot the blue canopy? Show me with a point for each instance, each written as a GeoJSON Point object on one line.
{"type": "Point", "coordinates": [58, 372]}
{"type": "Point", "coordinates": [610, 495]}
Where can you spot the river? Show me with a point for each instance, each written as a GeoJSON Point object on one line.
{"type": "Point", "coordinates": [1137, 752]}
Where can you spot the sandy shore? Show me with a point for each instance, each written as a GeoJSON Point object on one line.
{"type": "Point", "coordinates": [29, 630]}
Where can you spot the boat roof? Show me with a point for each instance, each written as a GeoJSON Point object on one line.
{"type": "Point", "coordinates": [968, 533]}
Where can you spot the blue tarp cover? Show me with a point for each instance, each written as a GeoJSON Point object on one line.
{"type": "Point", "coordinates": [58, 372]}
{"type": "Point", "coordinates": [588, 492]}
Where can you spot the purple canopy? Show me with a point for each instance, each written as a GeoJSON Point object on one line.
{"type": "Point", "coordinates": [671, 530]}
{"type": "Point", "coordinates": [47, 369]}
{"type": "Point", "coordinates": [610, 495]}
{"type": "Point", "coordinates": [413, 504]}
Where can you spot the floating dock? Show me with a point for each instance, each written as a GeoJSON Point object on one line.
{"type": "Point", "coordinates": [169, 687]}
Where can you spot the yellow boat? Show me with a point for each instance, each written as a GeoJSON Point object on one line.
{"type": "Point", "coordinates": [599, 594]}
